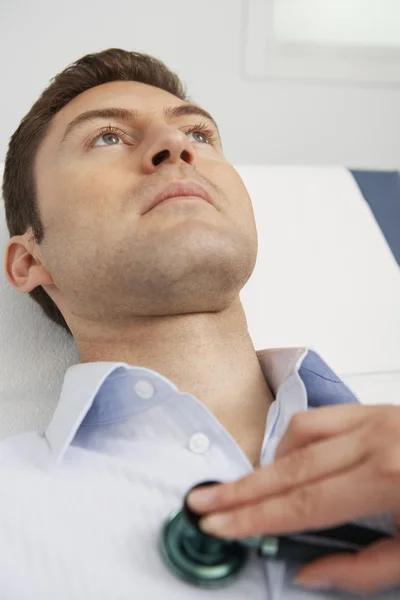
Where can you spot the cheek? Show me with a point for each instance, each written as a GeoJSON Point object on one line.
{"type": "Point", "coordinates": [238, 194]}
{"type": "Point", "coordinates": [91, 197]}
{"type": "Point", "coordinates": [238, 181]}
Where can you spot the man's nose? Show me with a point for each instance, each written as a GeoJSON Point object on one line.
{"type": "Point", "coordinates": [168, 146]}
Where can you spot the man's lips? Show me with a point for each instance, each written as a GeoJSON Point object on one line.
{"type": "Point", "coordinates": [179, 190]}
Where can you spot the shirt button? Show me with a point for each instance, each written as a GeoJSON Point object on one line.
{"type": "Point", "coordinates": [144, 389]}
{"type": "Point", "coordinates": [199, 443]}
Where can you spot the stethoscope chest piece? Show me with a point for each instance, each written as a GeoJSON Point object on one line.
{"type": "Point", "coordinates": [197, 558]}
{"type": "Point", "coordinates": [200, 559]}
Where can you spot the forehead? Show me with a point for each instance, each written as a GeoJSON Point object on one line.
{"type": "Point", "coordinates": [129, 94]}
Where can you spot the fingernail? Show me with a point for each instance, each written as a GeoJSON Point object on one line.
{"type": "Point", "coordinates": [217, 524]}
{"type": "Point", "coordinates": [202, 498]}
{"type": "Point", "coordinates": [313, 584]}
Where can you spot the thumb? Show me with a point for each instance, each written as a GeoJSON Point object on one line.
{"type": "Point", "coordinates": [369, 571]}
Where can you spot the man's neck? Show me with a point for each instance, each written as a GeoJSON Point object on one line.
{"type": "Point", "coordinates": [208, 355]}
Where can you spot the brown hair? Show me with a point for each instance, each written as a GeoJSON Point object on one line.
{"type": "Point", "coordinates": [19, 189]}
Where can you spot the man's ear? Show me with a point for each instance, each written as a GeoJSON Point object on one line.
{"type": "Point", "coordinates": [23, 266]}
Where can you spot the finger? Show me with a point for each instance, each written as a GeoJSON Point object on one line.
{"type": "Point", "coordinates": [307, 427]}
{"type": "Point", "coordinates": [298, 468]}
{"type": "Point", "coordinates": [325, 503]}
{"type": "Point", "coordinates": [370, 571]}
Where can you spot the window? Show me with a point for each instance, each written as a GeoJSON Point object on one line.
{"type": "Point", "coordinates": [347, 41]}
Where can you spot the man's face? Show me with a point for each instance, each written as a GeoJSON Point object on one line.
{"type": "Point", "coordinates": [107, 259]}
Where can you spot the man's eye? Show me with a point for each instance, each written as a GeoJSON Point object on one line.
{"type": "Point", "coordinates": [110, 133]}
{"type": "Point", "coordinates": [198, 133]}
{"type": "Point", "coordinates": [109, 136]}
{"type": "Point", "coordinates": [205, 132]}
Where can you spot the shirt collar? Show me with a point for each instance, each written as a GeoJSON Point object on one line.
{"type": "Point", "coordinates": [83, 381]}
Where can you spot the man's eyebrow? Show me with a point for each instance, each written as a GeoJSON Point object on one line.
{"type": "Point", "coordinates": [129, 115]}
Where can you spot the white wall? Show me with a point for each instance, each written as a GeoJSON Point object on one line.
{"type": "Point", "coordinates": [261, 122]}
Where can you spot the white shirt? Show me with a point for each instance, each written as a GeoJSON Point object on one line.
{"type": "Point", "coordinates": [82, 504]}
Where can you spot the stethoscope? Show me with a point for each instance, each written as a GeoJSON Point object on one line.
{"type": "Point", "coordinates": [210, 562]}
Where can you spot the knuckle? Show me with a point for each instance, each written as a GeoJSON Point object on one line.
{"type": "Point", "coordinates": [387, 462]}
{"type": "Point", "coordinates": [386, 425]}
{"type": "Point", "coordinates": [297, 425]}
{"type": "Point", "coordinates": [304, 504]}
{"type": "Point", "coordinates": [297, 467]}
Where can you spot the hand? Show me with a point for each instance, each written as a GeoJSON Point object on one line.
{"type": "Point", "coordinates": [333, 465]}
